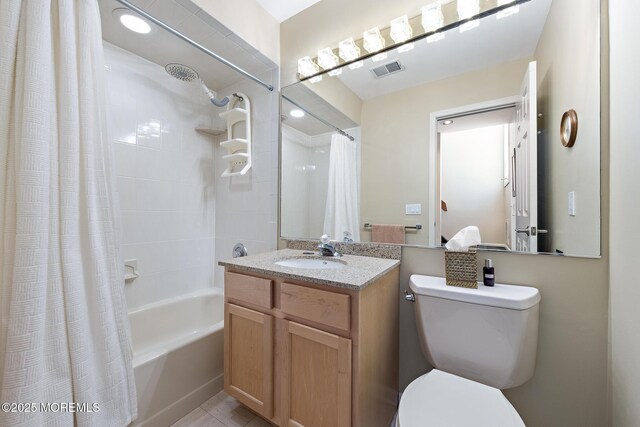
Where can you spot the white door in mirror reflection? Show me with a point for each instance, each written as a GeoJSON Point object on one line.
{"type": "Point", "coordinates": [526, 166]}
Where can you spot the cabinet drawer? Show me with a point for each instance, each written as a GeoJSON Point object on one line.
{"type": "Point", "coordinates": [328, 308]}
{"type": "Point", "coordinates": [249, 289]}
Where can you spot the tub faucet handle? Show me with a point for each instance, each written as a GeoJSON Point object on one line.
{"type": "Point", "coordinates": [239, 250]}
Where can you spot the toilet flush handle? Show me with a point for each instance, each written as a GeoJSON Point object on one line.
{"type": "Point", "coordinates": [409, 296]}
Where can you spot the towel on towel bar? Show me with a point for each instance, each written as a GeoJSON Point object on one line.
{"type": "Point", "coordinates": [387, 233]}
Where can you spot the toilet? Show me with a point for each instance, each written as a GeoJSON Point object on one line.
{"type": "Point", "coordinates": [479, 341]}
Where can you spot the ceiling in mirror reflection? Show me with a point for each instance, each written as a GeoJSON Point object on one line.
{"type": "Point", "coordinates": [493, 42]}
{"type": "Point", "coordinates": [303, 95]}
{"type": "Point", "coordinates": [478, 120]}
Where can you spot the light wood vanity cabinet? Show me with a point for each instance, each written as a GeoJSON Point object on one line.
{"type": "Point", "coordinates": [249, 344]}
{"type": "Point", "coordinates": [302, 354]}
{"type": "Point", "coordinates": [317, 377]}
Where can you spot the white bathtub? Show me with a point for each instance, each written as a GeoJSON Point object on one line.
{"type": "Point", "coordinates": [177, 355]}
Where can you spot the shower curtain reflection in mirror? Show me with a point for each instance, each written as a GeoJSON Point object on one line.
{"type": "Point", "coordinates": [342, 209]}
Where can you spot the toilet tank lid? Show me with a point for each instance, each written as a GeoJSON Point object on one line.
{"type": "Point", "coordinates": [512, 297]}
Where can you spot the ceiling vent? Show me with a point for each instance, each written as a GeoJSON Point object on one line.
{"type": "Point", "coordinates": [387, 69]}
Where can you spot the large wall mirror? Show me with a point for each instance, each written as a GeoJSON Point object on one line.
{"type": "Point", "coordinates": [463, 130]}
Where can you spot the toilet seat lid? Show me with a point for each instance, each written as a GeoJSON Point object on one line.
{"type": "Point", "coordinates": [442, 399]}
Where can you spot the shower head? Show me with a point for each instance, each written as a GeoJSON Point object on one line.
{"type": "Point", "coordinates": [188, 74]}
{"type": "Point", "coordinates": [182, 72]}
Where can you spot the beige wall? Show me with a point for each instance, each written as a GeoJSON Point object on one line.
{"type": "Point", "coordinates": [249, 21]}
{"type": "Point", "coordinates": [395, 137]}
{"type": "Point", "coordinates": [625, 211]}
{"type": "Point", "coordinates": [569, 387]}
{"type": "Point", "coordinates": [562, 59]}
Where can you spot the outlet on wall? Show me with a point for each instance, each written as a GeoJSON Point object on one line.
{"type": "Point", "coordinates": [413, 209]}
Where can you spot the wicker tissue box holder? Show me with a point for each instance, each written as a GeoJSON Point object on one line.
{"type": "Point", "coordinates": [460, 268]}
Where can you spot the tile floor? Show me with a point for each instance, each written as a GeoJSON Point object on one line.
{"type": "Point", "coordinates": [221, 410]}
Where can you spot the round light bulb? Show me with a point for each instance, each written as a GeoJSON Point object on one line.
{"type": "Point", "coordinates": [297, 113]}
{"type": "Point", "coordinates": [135, 24]}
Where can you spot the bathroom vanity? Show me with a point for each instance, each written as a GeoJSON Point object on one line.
{"type": "Point", "coordinates": [313, 341]}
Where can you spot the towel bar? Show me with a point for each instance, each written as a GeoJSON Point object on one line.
{"type": "Point", "coordinates": [368, 226]}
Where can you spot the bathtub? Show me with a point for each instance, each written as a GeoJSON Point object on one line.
{"type": "Point", "coordinates": [177, 355]}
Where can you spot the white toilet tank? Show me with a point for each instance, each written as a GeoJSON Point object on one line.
{"type": "Point", "coordinates": [489, 334]}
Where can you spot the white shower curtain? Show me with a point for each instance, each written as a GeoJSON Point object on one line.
{"type": "Point", "coordinates": [64, 334]}
{"type": "Point", "coordinates": [343, 198]}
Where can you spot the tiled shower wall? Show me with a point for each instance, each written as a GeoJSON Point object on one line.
{"type": "Point", "coordinates": [165, 177]}
{"type": "Point", "coordinates": [247, 207]}
{"type": "Point", "coordinates": [178, 216]}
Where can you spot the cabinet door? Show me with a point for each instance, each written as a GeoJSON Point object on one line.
{"type": "Point", "coordinates": [317, 378]}
{"type": "Point", "coordinates": [248, 358]}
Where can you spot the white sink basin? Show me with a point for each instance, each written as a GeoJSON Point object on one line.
{"type": "Point", "coordinates": [314, 263]}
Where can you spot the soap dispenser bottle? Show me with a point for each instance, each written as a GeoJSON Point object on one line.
{"type": "Point", "coordinates": [488, 273]}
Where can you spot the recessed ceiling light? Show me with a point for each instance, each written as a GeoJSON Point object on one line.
{"type": "Point", "coordinates": [447, 122]}
{"type": "Point", "coordinates": [296, 113]}
{"type": "Point", "coordinates": [131, 21]}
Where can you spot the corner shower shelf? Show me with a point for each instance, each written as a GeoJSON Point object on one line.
{"type": "Point", "coordinates": [238, 147]}
{"type": "Point", "coordinates": [210, 131]}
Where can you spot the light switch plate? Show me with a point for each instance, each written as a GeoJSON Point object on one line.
{"type": "Point", "coordinates": [572, 203]}
{"type": "Point", "coordinates": [413, 209]}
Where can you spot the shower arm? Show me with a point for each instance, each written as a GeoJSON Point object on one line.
{"type": "Point", "coordinates": [193, 43]}
{"type": "Point", "coordinates": [212, 96]}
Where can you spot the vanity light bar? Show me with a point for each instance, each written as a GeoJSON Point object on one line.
{"type": "Point", "coordinates": [356, 62]}
{"type": "Point", "coordinates": [374, 42]}
{"type": "Point", "coordinates": [349, 51]}
{"type": "Point", "coordinates": [432, 20]}
{"type": "Point", "coordinates": [328, 60]}
{"type": "Point", "coordinates": [401, 31]}
{"type": "Point", "coordinates": [468, 9]}
{"type": "Point", "coordinates": [508, 11]}
{"type": "Point", "coordinates": [306, 67]}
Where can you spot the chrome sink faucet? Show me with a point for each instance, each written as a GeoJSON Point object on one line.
{"type": "Point", "coordinates": [326, 248]}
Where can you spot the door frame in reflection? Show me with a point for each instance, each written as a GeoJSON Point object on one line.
{"type": "Point", "coordinates": [434, 214]}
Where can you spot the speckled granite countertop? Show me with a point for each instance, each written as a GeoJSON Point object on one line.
{"type": "Point", "coordinates": [359, 271]}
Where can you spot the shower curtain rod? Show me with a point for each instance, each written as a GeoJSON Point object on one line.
{"type": "Point", "coordinates": [340, 131]}
{"type": "Point", "coordinates": [193, 43]}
